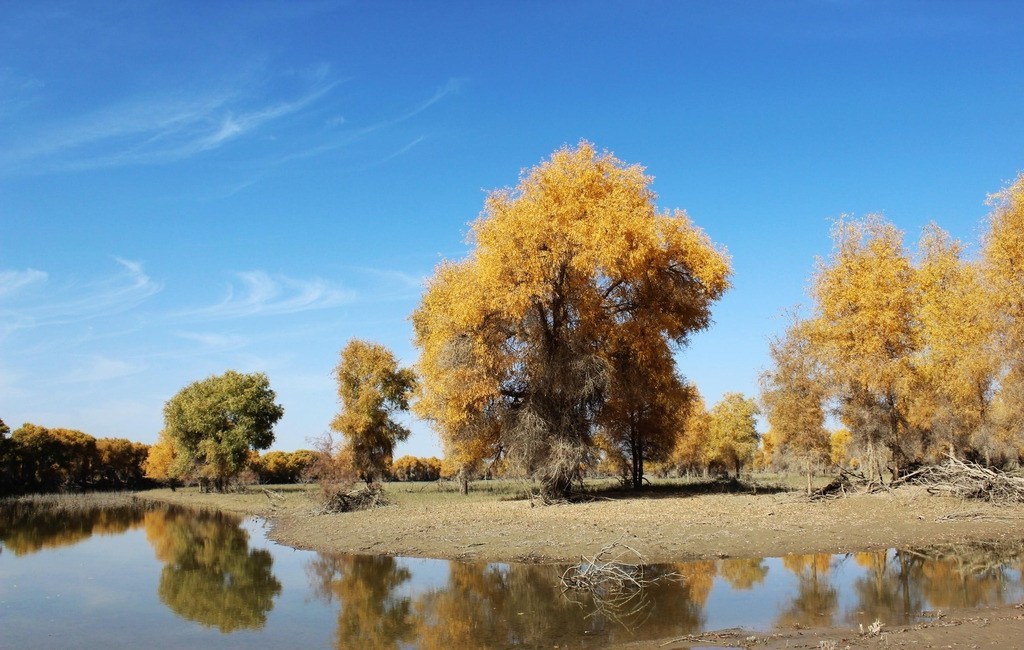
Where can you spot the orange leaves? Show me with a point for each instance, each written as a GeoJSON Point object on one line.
{"type": "Point", "coordinates": [571, 267]}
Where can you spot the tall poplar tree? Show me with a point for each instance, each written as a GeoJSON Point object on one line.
{"type": "Point", "coordinates": [864, 332]}
{"type": "Point", "coordinates": [372, 389]}
{"type": "Point", "coordinates": [517, 340]}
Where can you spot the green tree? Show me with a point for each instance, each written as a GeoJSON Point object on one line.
{"type": "Point", "coordinates": [216, 422]}
{"type": "Point", "coordinates": [371, 389]}
{"type": "Point", "coordinates": [7, 462]}
{"type": "Point", "coordinates": [572, 267]}
{"type": "Point", "coordinates": [732, 431]}
{"type": "Point", "coordinates": [210, 574]}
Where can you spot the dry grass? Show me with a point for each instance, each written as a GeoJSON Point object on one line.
{"type": "Point", "coordinates": [73, 501]}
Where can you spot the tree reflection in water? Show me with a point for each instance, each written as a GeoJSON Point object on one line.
{"type": "Point", "coordinates": [743, 572]}
{"type": "Point", "coordinates": [483, 606]}
{"type": "Point", "coordinates": [816, 599]}
{"type": "Point", "coordinates": [28, 528]}
{"type": "Point", "coordinates": [372, 616]}
{"type": "Point", "coordinates": [213, 577]}
{"type": "Point", "coordinates": [899, 583]}
{"type": "Point", "coordinates": [210, 575]}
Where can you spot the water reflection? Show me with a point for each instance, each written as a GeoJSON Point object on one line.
{"type": "Point", "coordinates": [816, 600]}
{"type": "Point", "coordinates": [210, 574]}
{"type": "Point", "coordinates": [215, 574]}
{"type": "Point", "coordinates": [485, 606]}
{"type": "Point", "coordinates": [371, 615]}
{"type": "Point", "coordinates": [27, 528]}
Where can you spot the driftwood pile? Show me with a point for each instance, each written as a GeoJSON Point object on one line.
{"type": "Point", "coordinates": [363, 498]}
{"type": "Point", "coordinates": [967, 480]}
{"type": "Point", "coordinates": [953, 477]}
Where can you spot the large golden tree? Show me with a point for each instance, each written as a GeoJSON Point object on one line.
{"type": "Point", "coordinates": [864, 332]}
{"type": "Point", "coordinates": [517, 340]}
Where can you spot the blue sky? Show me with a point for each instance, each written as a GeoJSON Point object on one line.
{"type": "Point", "coordinates": [188, 187]}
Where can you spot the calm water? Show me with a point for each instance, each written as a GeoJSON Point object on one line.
{"type": "Point", "coordinates": [173, 578]}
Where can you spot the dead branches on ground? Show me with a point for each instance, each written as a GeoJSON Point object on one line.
{"type": "Point", "coordinates": [967, 480]}
{"type": "Point", "coordinates": [350, 500]}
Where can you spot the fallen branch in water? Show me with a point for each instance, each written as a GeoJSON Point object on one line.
{"type": "Point", "coordinates": [615, 579]}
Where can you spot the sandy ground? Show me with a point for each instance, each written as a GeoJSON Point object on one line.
{"type": "Point", "coordinates": [1001, 627]}
{"type": "Point", "coordinates": [667, 529]}
{"type": "Point", "coordinates": [662, 529]}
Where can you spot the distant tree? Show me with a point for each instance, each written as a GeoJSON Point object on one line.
{"type": "Point", "coordinates": [693, 445]}
{"type": "Point", "coordinates": [573, 266]}
{"type": "Point", "coordinates": [644, 410]}
{"type": "Point", "coordinates": [283, 466]}
{"type": "Point", "coordinates": [160, 459]}
{"type": "Point", "coordinates": [120, 463]}
{"type": "Point", "coordinates": [214, 424]}
{"type": "Point", "coordinates": [372, 389]}
{"type": "Point", "coordinates": [840, 452]}
{"type": "Point", "coordinates": [47, 460]}
{"type": "Point", "coordinates": [732, 431]}
{"type": "Point", "coordinates": [411, 468]}
{"type": "Point", "coordinates": [793, 393]}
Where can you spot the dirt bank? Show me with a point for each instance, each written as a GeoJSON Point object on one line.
{"type": "Point", "coordinates": [663, 528]}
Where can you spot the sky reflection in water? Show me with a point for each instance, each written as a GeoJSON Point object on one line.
{"type": "Point", "coordinates": [171, 577]}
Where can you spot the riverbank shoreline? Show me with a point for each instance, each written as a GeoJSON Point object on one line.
{"type": "Point", "coordinates": [663, 529]}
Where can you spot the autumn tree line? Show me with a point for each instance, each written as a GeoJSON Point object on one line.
{"type": "Point", "coordinates": [920, 354]}
{"type": "Point", "coordinates": [549, 352]}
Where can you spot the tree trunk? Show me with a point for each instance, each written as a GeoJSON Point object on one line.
{"type": "Point", "coordinates": [809, 477]}
{"type": "Point", "coordinates": [636, 451]}
{"type": "Point", "coordinates": [463, 481]}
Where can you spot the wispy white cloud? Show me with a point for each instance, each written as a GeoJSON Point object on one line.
{"type": "Point", "coordinates": [13, 281]}
{"type": "Point", "coordinates": [262, 294]}
{"type": "Point", "coordinates": [99, 368]}
{"type": "Point", "coordinates": [75, 302]}
{"type": "Point", "coordinates": [394, 277]}
{"type": "Point", "coordinates": [451, 87]}
{"type": "Point", "coordinates": [17, 92]}
{"type": "Point", "coordinates": [152, 130]}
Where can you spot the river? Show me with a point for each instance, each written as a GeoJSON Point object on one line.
{"type": "Point", "coordinates": [169, 577]}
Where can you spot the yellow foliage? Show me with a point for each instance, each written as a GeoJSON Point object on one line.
{"type": "Point", "coordinates": [793, 394]}
{"type": "Point", "coordinates": [864, 331]}
{"type": "Point", "coordinates": [839, 445]}
{"type": "Point", "coordinates": [161, 458]}
{"type": "Point", "coordinates": [958, 365]}
{"type": "Point", "coordinates": [692, 449]}
{"type": "Point", "coordinates": [732, 432]}
{"type": "Point", "coordinates": [572, 266]}
{"type": "Point", "coordinates": [371, 388]}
